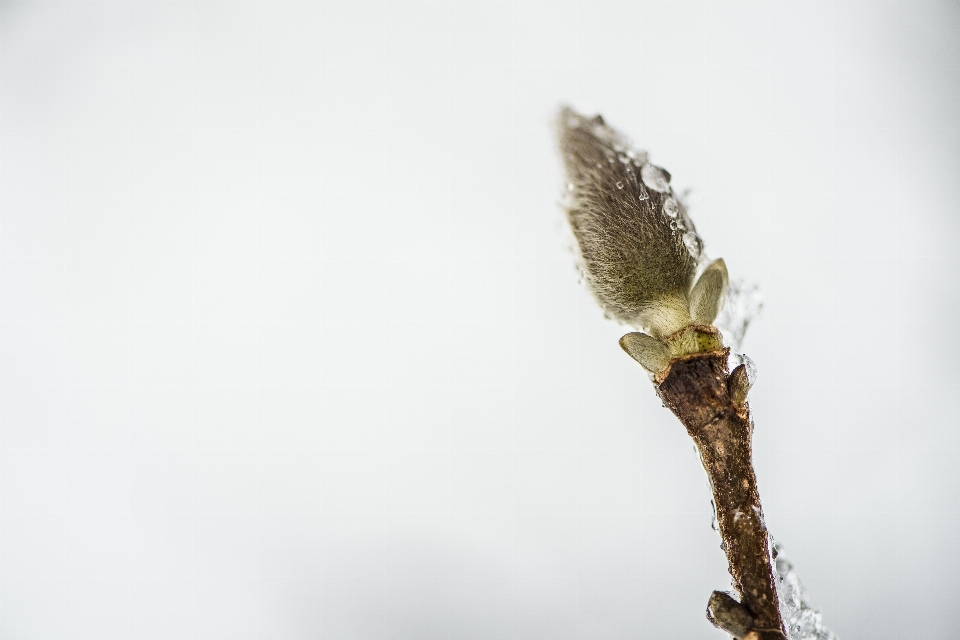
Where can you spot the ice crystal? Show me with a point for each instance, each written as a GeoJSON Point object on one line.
{"type": "Point", "coordinates": [802, 621]}
{"type": "Point", "coordinates": [742, 303]}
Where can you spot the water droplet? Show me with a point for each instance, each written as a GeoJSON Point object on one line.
{"type": "Point", "coordinates": [643, 195]}
{"type": "Point", "coordinates": [599, 165]}
{"type": "Point", "coordinates": [670, 207]}
{"type": "Point", "coordinates": [573, 122]}
{"type": "Point", "coordinates": [751, 368]}
{"type": "Point", "coordinates": [673, 225]}
{"type": "Point", "coordinates": [619, 185]}
{"type": "Point", "coordinates": [624, 159]}
{"type": "Point", "coordinates": [569, 186]}
{"type": "Point", "coordinates": [656, 178]}
{"type": "Point", "coordinates": [692, 242]}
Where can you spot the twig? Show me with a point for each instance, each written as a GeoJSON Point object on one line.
{"type": "Point", "coordinates": [711, 405]}
{"type": "Point", "coordinates": [640, 253]}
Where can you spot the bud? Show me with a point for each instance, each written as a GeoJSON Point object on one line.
{"type": "Point", "coordinates": [638, 248]}
{"type": "Point", "coordinates": [728, 614]}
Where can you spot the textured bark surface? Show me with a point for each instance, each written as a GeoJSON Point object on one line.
{"type": "Point", "coordinates": [695, 388]}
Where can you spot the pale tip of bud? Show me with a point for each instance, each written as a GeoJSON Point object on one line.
{"type": "Point", "coordinates": [653, 355]}
{"type": "Point", "coordinates": [707, 294]}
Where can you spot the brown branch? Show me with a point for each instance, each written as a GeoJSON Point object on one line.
{"type": "Point", "coordinates": [640, 254]}
{"type": "Point", "coordinates": [711, 404]}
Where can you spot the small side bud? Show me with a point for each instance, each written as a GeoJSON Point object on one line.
{"type": "Point", "coordinates": [738, 385]}
{"type": "Point", "coordinates": [728, 614]}
{"type": "Point", "coordinates": [652, 354]}
{"type": "Point", "coordinates": [707, 294]}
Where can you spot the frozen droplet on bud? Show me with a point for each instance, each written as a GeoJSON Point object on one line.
{"type": "Point", "coordinates": [692, 242]}
{"type": "Point", "coordinates": [673, 225]}
{"type": "Point", "coordinates": [619, 185]}
{"type": "Point", "coordinates": [655, 178]}
{"type": "Point", "coordinates": [643, 196]}
{"type": "Point", "coordinates": [671, 207]}
{"type": "Point", "coordinates": [569, 186]}
{"type": "Point", "coordinates": [751, 368]}
{"type": "Point", "coordinates": [573, 122]}
{"type": "Point", "coordinates": [599, 165]}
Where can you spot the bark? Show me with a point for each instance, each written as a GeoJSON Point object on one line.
{"type": "Point", "coordinates": [696, 388]}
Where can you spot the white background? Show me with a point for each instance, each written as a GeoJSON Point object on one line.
{"type": "Point", "coordinates": [292, 344]}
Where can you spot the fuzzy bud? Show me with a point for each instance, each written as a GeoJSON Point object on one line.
{"type": "Point", "coordinates": [638, 247]}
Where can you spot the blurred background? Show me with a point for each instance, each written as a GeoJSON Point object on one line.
{"type": "Point", "coordinates": [292, 344]}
